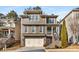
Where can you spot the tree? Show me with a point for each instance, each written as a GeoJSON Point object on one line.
{"type": "Point", "coordinates": [12, 14]}
{"type": "Point", "coordinates": [1, 14]}
{"type": "Point", "coordinates": [64, 36]}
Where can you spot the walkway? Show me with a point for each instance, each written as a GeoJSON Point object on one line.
{"type": "Point", "coordinates": [30, 49]}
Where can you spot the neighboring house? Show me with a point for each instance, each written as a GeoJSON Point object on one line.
{"type": "Point", "coordinates": [36, 29]}
{"type": "Point", "coordinates": [7, 32]}
{"type": "Point", "coordinates": [7, 27]}
{"type": "Point", "coordinates": [72, 25]}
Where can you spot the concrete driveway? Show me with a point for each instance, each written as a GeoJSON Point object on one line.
{"type": "Point", "coordinates": [31, 49]}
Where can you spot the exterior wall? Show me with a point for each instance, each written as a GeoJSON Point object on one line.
{"type": "Point", "coordinates": [22, 31]}
{"type": "Point", "coordinates": [76, 16]}
{"type": "Point", "coordinates": [72, 26]}
{"type": "Point", "coordinates": [26, 21]}
{"type": "Point", "coordinates": [18, 30]}
{"type": "Point", "coordinates": [58, 30]}
{"type": "Point", "coordinates": [55, 22]}
{"type": "Point", "coordinates": [68, 24]}
{"type": "Point", "coordinates": [30, 29]}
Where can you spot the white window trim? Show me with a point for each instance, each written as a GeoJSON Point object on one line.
{"type": "Point", "coordinates": [33, 17]}
{"type": "Point", "coordinates": [37, 17]}
{"type": "Point", "coordinates": [42, 27]}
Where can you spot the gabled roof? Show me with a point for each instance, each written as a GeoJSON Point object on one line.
{"type": "Point", "coordinates": [74, 10]}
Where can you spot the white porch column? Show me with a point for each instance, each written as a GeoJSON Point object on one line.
{"type": "Point", "coordinates": [45, 29]}
{"type": "Point", "coordinates": [52, 29]}
{"type": "Point", "coordinates": [78, 39]}
{"type": "Point", "coordinates": [74, 39]}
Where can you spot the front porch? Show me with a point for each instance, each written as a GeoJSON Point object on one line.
{"type": "Point", "coordinates": [6, 32]}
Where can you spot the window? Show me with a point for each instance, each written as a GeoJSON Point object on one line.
{"type": "Point", "coordinates": [34, 17]}
{"type": "Point", "coordinates": [33, 28]}
{"type": "Point", "coordinates": [25, 28]}
{"type": "Point", "coordinates": [1, 24]}
{"type": "Point", "coordinates": [6, 33]}
{"type": "Point", "coordinates": [77, 15]}
{"type": "Point", "coordinates": [29, 17]}
{"type": "Point", "coordinates": [49, 29]}
{"type": "Point", "coordinates": [42, 29]}
{"type": "Point", "coordinates": [50, 20]}
{"type": "Point", "coordinates": [54, 29]}
{"type": "Point", "coordinates": [37, 17]}
{"type": "Point", "coordinates": [47, 19]}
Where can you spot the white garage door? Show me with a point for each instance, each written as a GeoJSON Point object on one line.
{"type": "Point", "coordinates": [34, 42]}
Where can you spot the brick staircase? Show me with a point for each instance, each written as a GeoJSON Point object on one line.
{"type": "Point", "coordinates": [51, 45]}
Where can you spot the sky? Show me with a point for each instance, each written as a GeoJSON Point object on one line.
{"type": "Point", "coordinates": [61, 11]}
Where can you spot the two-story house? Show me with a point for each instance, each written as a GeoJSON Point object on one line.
{"type": "Point", "coordinates": [35, 29]}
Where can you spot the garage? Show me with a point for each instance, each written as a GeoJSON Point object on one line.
{"type": "Point", "coordinates": [36, 42]}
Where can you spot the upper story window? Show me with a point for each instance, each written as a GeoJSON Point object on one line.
{"type": "Point", "coordinates": [50, 20]}
{"type": "Point", "coordinates": [77, 16]}
{"type": "Point", "coordinates": [26, 29]}
{"type": "Point", "coordinates": [37, 17]}
{"type": "Point", "coordinates": [34, 17]}
{"type": "Point", "coordinates": [1, 24]}
{"type": "Point", "coordinates": [49, 29]}
{"type": "Point", "coordinates": [33, 29]}
{"type": "Point", "coordinates": [41, 29]}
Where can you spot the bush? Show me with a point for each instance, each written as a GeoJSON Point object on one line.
{"type": "Point", "coordinates": [64, 36]}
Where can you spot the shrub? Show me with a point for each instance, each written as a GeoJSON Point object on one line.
{"type": "Point", "coordinates": [64, 36]}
